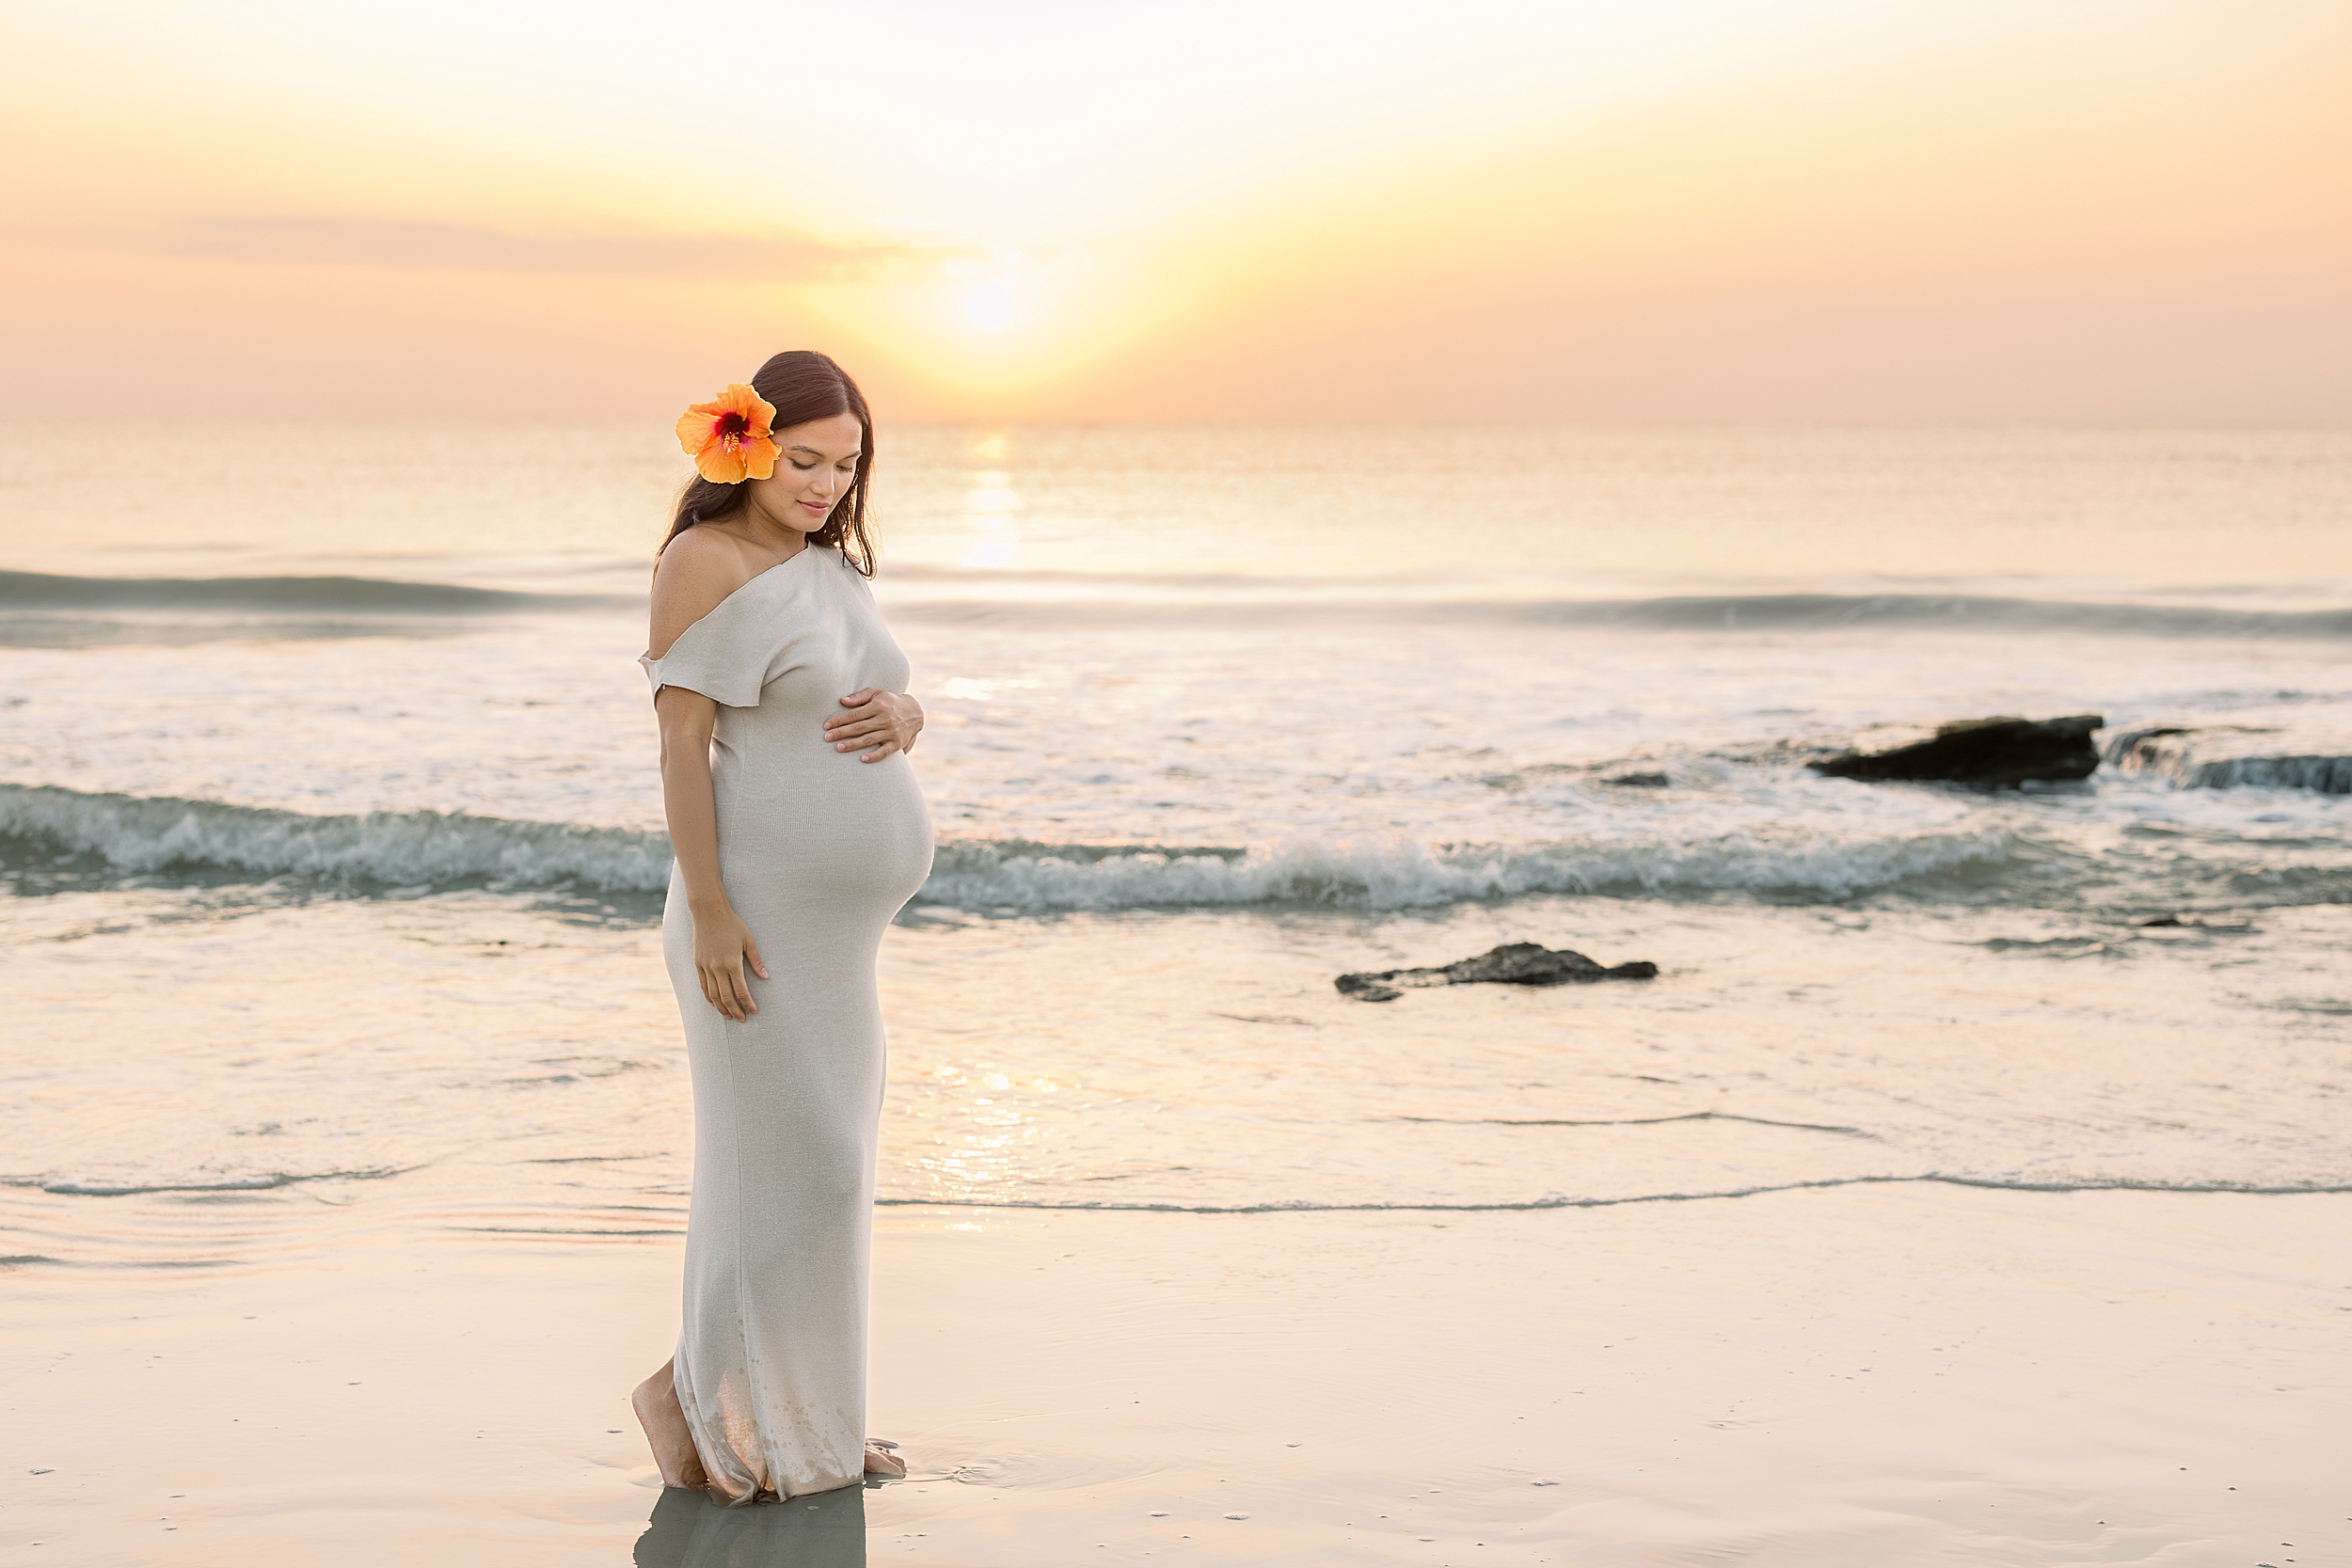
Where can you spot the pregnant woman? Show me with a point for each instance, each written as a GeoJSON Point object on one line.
{"type": "Point", "coordinates": [799, 833]}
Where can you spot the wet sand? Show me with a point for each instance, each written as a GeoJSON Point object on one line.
{"type": "Point", "coordinates": [1908, 1373]}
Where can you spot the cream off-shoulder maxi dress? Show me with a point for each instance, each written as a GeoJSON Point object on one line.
{"type": "Point", "coordinates": [817, 850]}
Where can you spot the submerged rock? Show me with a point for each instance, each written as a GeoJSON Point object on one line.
{"type": "Point", "coordinates": [1515, 963]}
{"type": "Point", "coordinates": [1640, 781]}
{"type": "Point", "coordinates": [2292, 756]}
{"type": "Point", "coordinates": [1990, 752]}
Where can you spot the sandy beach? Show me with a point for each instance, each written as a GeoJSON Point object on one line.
{"type": "Point", "coordinates": [1613, 811]}
{"type": "Point", "coordinates": [1911, 1373]}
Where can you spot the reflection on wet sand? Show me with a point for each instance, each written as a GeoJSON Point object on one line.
{"type": "Point", "coordinates": [688, 1530]}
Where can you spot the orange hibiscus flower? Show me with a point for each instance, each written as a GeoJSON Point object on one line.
{"type": "Point", "coordinates": [727, 437]}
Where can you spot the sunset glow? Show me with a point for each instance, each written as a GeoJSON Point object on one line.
{"type": "Point", "coordinates": [1708, 209]}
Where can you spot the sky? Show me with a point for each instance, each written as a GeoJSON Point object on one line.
{"type": "Point", "coordinates": [2111, 212]}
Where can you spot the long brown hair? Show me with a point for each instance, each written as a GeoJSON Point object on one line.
{"type": "Point", "coordinates": [803, 385]}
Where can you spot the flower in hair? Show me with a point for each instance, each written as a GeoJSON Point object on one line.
{"type": "Point", "coordinates": [727, 437]}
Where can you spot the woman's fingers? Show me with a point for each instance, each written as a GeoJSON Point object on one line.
{"type": "Point", "coordinates": [876, 718]}
{"type": "Point", "coordinates": [714, 993]}
{"type": "Point", "coordinates": [861, 705]}
{"type": "Point", "coordinates": [724, 950]}
{"type": "Point", "coordinates": [725, 988]}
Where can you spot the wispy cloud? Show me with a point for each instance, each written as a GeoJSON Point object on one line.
{"type": "Point", "coordinates": [780, 257]}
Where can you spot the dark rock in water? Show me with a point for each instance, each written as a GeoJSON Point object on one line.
{"type": "Point", "coordinates": [1990, 752]}
{"type": "Point", "coordinates": [1640, 781]}
{"type": "Point", "coordinates": [1517, 963]}
{"type": "Point", "coordinates": [2160, 921]}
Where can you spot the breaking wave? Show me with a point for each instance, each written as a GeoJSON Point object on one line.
{"type": "Point", "coordinates": [149, 834]}
{"type": "Point", "coordinates": [1088, 598]}
{"type": "Point", "coordinates": [41, 591]}
{"type": "Point", "coordinates": [139, 835]}
{"type": "Point", "coordinates": [1402, 874]}
{"type": "Point", "coordinates": [1690, 612]}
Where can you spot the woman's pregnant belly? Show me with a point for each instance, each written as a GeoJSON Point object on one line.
{"type": "Point", "coordinates": [832, 842]}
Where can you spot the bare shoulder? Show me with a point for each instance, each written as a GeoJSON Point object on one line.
{"type": "Point", "coordinates": [696, 572]}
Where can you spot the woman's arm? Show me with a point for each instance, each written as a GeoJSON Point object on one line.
{"type": "Point", "coordinates": [723, 944]}
{"type": "Point", "coordinates": [695, 573]}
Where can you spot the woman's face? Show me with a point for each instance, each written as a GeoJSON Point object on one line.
{"type": "Point", "coordinates": [815, 464]}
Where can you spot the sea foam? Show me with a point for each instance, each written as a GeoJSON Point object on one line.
{"type": "Point", "coordinates": [144, 835]}
{"type": "Point", "coordinates": [140, 834]}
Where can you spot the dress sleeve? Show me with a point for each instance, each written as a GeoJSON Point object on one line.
{"type": "Point", "coordinates": [716, 656]}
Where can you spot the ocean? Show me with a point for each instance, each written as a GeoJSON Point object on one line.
{"type": "Point", "coordinates": [333, 857]}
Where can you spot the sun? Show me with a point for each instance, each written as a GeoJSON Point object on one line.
{"type": "Point", "coordinates": [988, 307]}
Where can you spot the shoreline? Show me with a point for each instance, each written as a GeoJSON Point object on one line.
{"type": "Point", "coordinates": [1857, 1375]}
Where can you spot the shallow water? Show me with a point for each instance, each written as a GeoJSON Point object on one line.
{"type": "Point", "coordinates": [331, 907]}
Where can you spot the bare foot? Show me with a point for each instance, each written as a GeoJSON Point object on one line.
{"type": "Point", "coordinates": [880, 1461]}
{"type": "Point", "coordinates": [657, 1411]}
